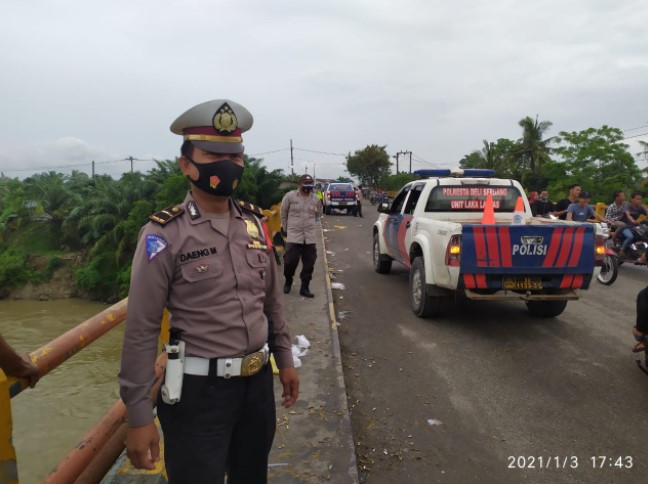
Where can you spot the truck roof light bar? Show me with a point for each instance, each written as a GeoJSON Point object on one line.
{"type": "Point", "coordinates": [471, 172]}
{"type": "Point", "coordinates": [433, 173]}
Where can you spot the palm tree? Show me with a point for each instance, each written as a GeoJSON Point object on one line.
{"type": "Point", "coordinates": [103, 218]}
{"type": "Point", "coordinates": [260, 186]}
{"type": "Point", "coordinates": [49, 191]}
{"type": "Point", "coordinates": [533, 151]}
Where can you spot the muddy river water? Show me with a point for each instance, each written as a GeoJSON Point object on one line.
{"type": "Point", "coordinates": [51, 418]}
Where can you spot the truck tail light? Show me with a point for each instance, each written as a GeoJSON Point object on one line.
{"type": "Point", "coordinates": [599, 250]}
{"type": "Point", "coordinates": [453, 251]}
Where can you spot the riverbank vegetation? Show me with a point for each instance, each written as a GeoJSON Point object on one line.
{"type": "Point", "coordinates": [92, 223]}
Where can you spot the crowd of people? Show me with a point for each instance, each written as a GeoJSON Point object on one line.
{"type": "Point", "coordinates": [622, 217]}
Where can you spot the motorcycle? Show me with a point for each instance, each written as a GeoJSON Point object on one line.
{"type": "Point", "coordinates": [613, 260]}
{"type": "Point", "coordinates": [610, 268]}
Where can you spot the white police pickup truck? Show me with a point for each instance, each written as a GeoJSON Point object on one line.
{"type": "Point", "coordinates": [434, 227]}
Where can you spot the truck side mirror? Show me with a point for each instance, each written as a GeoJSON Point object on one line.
{"type": "Point", "coordinates": [383, 207]}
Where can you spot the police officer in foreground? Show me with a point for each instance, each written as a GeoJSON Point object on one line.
{"type": "Point", "coordinates": [300, 211]}
{"type": "Point", "coordinates": [208, 261]}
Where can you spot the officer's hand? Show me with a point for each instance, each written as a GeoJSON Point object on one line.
{"type": "Point", "coordinates": [143, 446]}
{"type": "Point", "coordinates": [290, 381]}
{"type": "Point", "coordinates": [283, 232]}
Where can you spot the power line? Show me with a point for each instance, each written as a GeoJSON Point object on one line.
{"type": "Point", "coordinates": [269, 152]}
{"type": "Point", "coordinates": [46, 168]}
{"type": "Point", "coordinates": [636, 135]}
{"type": "Point", "coordinates": [632, 129]}
{"type": "Point", "coordinates": [321, 152]}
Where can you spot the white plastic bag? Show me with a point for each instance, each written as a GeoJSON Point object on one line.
{"type": "Point", "coordinates": [302, 341]}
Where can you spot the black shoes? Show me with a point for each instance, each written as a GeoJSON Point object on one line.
{"type": "Point", "coordinates": [305, 291]}
{"type": "Point", "coordinates": [287, 286]}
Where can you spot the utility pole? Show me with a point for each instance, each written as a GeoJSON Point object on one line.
{"type": "Point", "coordinates": [410, 159]}
{"type": "Point", "coordinates": [314, 179]}
{"type": "Point", "coordinates": [292, 166]}
{"type": "Point", "coordinates": [397, 155]}
{"type": "Point", "coordinates": [131, 161]}
{"type": "Point", "coordinates": [93, 168]}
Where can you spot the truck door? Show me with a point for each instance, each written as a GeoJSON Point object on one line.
{"type": "Point", "coordinates": [393, 224]}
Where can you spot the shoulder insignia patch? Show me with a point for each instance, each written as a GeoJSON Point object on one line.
{"type": "Point", "coordinates": [164, 216]}
{"type": "Point", "coordinates": [250, 207]}
{"type": "Point", "coordinates": [154, 245]}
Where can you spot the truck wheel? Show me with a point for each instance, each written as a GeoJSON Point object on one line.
{"type": "Point", "coordinates": [382, 263]}
{"type": "Point", "coordinates": [546, 309]}
{"type": "Point", "coordinates": [422, 304]}
{"type": "Point", "coordinates": [327, 210]}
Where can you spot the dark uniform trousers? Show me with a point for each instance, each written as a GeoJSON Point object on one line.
{"type": "Point", "coordinates": [219, 425]}
{"type": "Point", "coordinates": [292, 254]}
{"type": "Point", "coordinates": [642, 311]}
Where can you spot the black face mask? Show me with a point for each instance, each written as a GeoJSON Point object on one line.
{"type": "Point", "coordinates": [307, 188]}
{"type": "Point", "coordinates": [218, 178]}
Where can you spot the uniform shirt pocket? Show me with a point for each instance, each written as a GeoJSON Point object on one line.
{"type": "Point", "coordinates": [202, 269]}
{"type": "Point", "coordinates": [257, 258]}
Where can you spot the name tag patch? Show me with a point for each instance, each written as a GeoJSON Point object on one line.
{"type": "Point", "coordinates": [197, 254]}
{"type": "Point", "coordinates": [154, 245]}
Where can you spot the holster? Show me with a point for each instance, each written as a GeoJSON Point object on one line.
{"type": "Point", "coordinates": [172, 388]}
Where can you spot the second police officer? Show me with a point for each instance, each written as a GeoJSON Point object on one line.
{"type": "Point", "coordinates": [300, 211]}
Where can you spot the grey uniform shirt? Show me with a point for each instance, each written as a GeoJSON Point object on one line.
{"type": "Point", "coordinates": [299, 217]}
{"type": "Point", "coordinates": [217, 287]}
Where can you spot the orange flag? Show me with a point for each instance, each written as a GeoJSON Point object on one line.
{"type": "Point", "coordinates": [489, 211]}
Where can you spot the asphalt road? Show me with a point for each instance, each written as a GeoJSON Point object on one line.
{"type": "Point", "coordinates": [486, 393]}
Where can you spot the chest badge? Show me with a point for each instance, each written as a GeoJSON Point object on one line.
{"type": "Point", "coordinates": [202, 268]}
{"type": "Point", "coordinates": [194, 213]}
{"type": "Point", "coordinates": [252, 229]}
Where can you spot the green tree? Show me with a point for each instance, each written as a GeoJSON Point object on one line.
{"type": "Point", "coordinates": [494, 156]}
{"type": "Point", "coordinates": [49, 191]}
{"type": "Point", "coordinates": [533, 150]}
{"type": "Point", "coordinates": [396, 182]}
{"type": "Point", "coordinates": [13, 209]}
{"type": "Point", "coordinates": [369, 165]}
{"type": "Point", "coordinates": [598, 159]}
{"type": "Point", "coordinates": [172, 184]}
{"type": "Point", "coordinates": [259, 186]}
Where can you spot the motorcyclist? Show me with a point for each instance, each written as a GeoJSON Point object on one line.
{"type": "Point", "coordinates": [616, 210]}
{"type": "Point", "coordinates": [632, 213]}
{"type": "Point", "coordinates": [583, 211]}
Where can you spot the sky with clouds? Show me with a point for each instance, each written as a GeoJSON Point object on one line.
{"type": "Point", "coordinates": [84, 80]}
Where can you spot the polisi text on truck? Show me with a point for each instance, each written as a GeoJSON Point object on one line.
{"type": "Point", "coordinates": [529, 249]}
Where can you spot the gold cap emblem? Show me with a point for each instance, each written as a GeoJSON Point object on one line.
{"type": "Point", "coordinates": [224, 121]}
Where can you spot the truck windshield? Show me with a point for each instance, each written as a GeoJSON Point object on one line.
{"type": "Point", "coordinates": [335, 187]}
{"type": "Point", "coordinates": [471, 198]}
